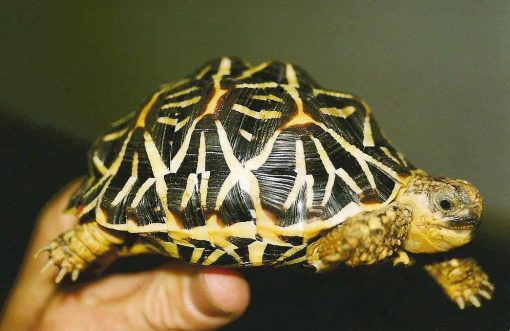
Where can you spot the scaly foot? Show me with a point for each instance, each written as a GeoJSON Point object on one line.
{"type": "Point", "coordinates": [462, 280]}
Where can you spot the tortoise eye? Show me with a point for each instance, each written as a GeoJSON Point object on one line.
{"type": "Point", "coordinates": [445, 204]}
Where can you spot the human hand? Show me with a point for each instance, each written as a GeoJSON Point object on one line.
{"type": "Point", "coordinates": [172, 297]}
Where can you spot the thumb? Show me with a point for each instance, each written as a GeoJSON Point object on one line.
{"type": "Point", "coordinates": [174, 297]}
{"type": "Point", "coordinates": [184, 298]}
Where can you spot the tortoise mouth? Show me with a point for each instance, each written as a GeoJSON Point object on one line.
{"type": "Point", "coordinates": [463, 224]}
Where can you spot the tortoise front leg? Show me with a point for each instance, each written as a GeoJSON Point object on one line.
{"type": "Point", "coordinates": [463, 281]}
{"type": "Point", "coordinates": [362, 239]}
{"type": "Point", "coordinates": [77, 248]}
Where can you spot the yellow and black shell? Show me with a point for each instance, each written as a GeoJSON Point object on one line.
{"type": "Point", "coordinates": [239, 165]}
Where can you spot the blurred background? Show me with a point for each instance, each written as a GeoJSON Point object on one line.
{"type": "Point", "coordinates": [436, 75]}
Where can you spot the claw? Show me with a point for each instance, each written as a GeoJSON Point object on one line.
{"type": "Point", "coordinates": [48, 265]}
{"type": "Point", "coordinates": [43, 249]}
{"type": "Point", "coordinates": [488, 284]}
{"type": "Point", "coordinates": [61, 275]}
{"type": "Point", "coordinates": [75, 274]}
{"type": "Point", "coordinates": [485, 294]}
{"type": "Point", "coordinates": [474, 300]}
{"type": "Point", "coordinates": [460, 302]}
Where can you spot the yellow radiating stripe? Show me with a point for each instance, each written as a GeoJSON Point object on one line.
{"type": "Point", "coordinates": [124, 191]}
{"type": "Point", "coordinates": [158, 167]}
{"type": "Point", "coordinates": [182, 104]}
{"type": "Point", "coordinates": [348, 180]}
{"type": "Point", "coordinates": [190, 186]}
{"type": "Point", "coordinates": [295, 261]}
{"type": "Point", "coordinates": [301, 118]}
{"type": "Point", "coordinates": [204, 183]}
{"type": "Point", "coordinates": [213, 257]}
{"type": "Point", "coordinates": [201, 154]}
{"type": "Point", "coordinates": [141, 191]}
{"type": "Point", "coordinates": [258, 85]}
{"type": "Point", "coordinates": [246, 135]}
{"type": "Point", "coordinates": [118, 161]}
{"type": "Point", "coordinates": [257, 161]}
{"type": "Point", "coordinates": [182, 92]}
{"type": "Point", "coordinates": [291, 75]}
{"type": "Point", "coordinates": [249, 72]}
{"type": "Point", "coordinates": [402, 157]}
{"type": "Point", "coordinates": [99, 164]}
{"type": "Point", "coordinates": [338, 112]}
{"type": "Point", "coordinates": [196, 255]}
{"type": "Point", "coordinates": [368, 139]}
{"type": "Point", "coordinates": [290, 252]}
{"type": "Point", "coordinates": [167, 120]}
{"type": "Point", "coordinates": [133, 227]}
{"type": "Point", "coordinates": [328, 189]}
{"type": "Point", "coordinates": [300, 176]}
{"type": "Point", "coordinates": [267, 97]}
{"type": "Point", "coordinates": [123, 119]}
{"type": "Point", "coordinates": [134, 165]}
{"type": "Point", "coordinates": [114, 135]}
{"type": "Point", "coordinates": [100, 215]}
{"type": "Point", "coordinates": [263, 114]}
{"type": "Point", "coordinates": [202, 72]}
{"type": "Point", "coordinates": [332, 93]}
{"type": "Point", "coordinates": [388, 154]}
{"type": "Point", "coordinates": [181, 124]}
{"type": "Point", "coordinates": [368, 173]}
{"type": "Point", "coordinates": [358, 154]}
{"type": "Point", "coordinates": [140, 121]}
{"type": "Point", "coordinates": [223, 70]}
{"type": "Point", "coordinates": [170, 86]}
{"type": "Point", "coordinates": [170, 248]}
{"type": "Point", "coordinates": [256, 252]}
{"type": "Point", "coordinates": [309, 191]}
{"type": "Point", "coordinates": [326, 161]}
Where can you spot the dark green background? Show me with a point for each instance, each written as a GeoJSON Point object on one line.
{"type": "Point", "coordinates": [436, 74]}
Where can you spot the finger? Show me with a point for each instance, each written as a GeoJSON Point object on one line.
{"type": "Point", "coordinates": [32, 289]}
{"type": "Point", "coordinates": [53, 220]}
{"type": "Point", "coordinates": [174, 297]}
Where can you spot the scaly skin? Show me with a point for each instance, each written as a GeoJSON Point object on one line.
{"type": "Point", "coordinates": [362, 239]}
{"type": "Point", "coordinates": [75, 249]}
{"type": "Point", "coordinates": [462, 280]}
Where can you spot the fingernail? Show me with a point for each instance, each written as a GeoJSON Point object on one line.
{"type": "Point", "coordinates": [220, 293]}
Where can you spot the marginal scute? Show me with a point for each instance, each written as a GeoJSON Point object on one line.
{"type": "Point", "coordinates": [239, 164]}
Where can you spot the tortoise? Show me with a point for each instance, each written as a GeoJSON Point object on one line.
{"type": "Point", "coordinates": [240, 165]}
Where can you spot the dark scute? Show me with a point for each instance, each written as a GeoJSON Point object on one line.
{"type": "Point", "coordinates": [296, 255]}
{"type": "Point", "coordinates": [185, 252]}
{"type": "Point", "coordinates": [226, 260]}
{"type": "Point", "coordinates": [193, 215]}
{"type": "Point", "coordinates": [244, 254]}
{"type": "Point", "coordinates": [385, 184]}
{"type": "Point", "coordinates": [200, 243]}
{"type": "Point", "coordinates": [149, 209]}
{"type": "Point", "coordinates": [293, 240]}
{"type": "Point", "coordinates": [236, 207]}
{"type": "Point", "coordinates": [297, 212]}
{"type": "Point", "coordinates": [273, 253]}
{"type": "Point", "coordinates": [240, 242]}
{"type": "Point", "coordinates": [341, 196]}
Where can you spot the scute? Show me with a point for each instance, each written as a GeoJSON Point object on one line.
{"type": "Point", "coordinates": [234, 145]}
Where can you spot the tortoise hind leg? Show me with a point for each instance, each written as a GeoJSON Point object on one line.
{"type": "Point", "coordinates": [78, 247]}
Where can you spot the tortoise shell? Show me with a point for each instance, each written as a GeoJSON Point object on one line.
{"type": "Point", "coordinates": [239, 165]}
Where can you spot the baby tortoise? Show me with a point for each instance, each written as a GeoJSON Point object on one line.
{"type": "Point", "coordinates": [246, 165]}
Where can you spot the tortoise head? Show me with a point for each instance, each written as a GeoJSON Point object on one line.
{"type": "Point", "coordinates": [445, 213]}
